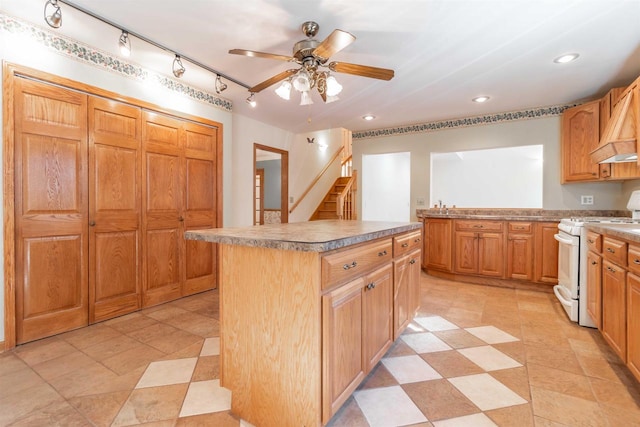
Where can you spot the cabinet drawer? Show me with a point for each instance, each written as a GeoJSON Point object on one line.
{"type": "Point", "coordinates": [594, 241]}
{"type": "Point", "coordinates": [406, 243]}
{"type": "Point", "coordinates": [633, 258]}
{"type": "Point", "coordinates": [520, 227]}
{"type": "Point", "coordinates": [344, 265]}
{"type": "Point", "coordinates": [476, 225]}
{"type": "Point", "coordinates": [615, 251]}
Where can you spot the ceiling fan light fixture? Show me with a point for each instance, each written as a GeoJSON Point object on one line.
{"type": "Point", "coordinates": [178, 69]}
{"type": "Point", "coordinates": [124, 43]}
{"type": "Point", "coordinates": [331, 98]}
{"type": "Point", "coordinates": [220, 85]}
{"type": "Point", "coordinates": [284, 90]}
{"type": "Point", "coordinates": [305, 98]}
{"type": "Point", "coordinates": [54, 19]}
{"type": "Point", "coordinates": [251, 100]}
{"type": "Point", "coordinates": [333, 87]}
{"type": "Point", "coordinates": [302, 82]}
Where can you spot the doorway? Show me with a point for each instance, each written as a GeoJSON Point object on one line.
{"type": "Point", "coordinates": [386, 184]}
{"type": "Point", "coordinates": [271, 185]}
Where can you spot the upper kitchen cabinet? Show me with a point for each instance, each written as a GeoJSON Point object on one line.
{"type": "Point", "coordinates": [580, 136]}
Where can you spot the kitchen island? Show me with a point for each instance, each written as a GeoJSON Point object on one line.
{"type": "Point", "coordinates": [308, 309]}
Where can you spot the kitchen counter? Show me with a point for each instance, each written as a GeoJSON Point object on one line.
{"type": "Point", "coordinates": [630, 232]}
{"type": "Point", "coordinates": [312, 236]}
{"type": "Point", "coordinates": [541, 215]}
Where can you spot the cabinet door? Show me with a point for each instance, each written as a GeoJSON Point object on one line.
{"type": "Point", "coordinates": [114, 209]}
{"type": "Point", "coordinates": [594, 287]}
{"type": "Point", "coordinates": [377, 315]}
{"type": "Point", "coordinates": [437, 244]}
{"type": "Point", "coordinates": [491, 254]}
{"type": "Point", "coordinates": [546, 253]}
{"type": "Point", "coordinates": [580, 136]}
{"type": "Point", "coordinates": [466, 252]}
{"type": "Point", "coordinates": [342, 357]}
{"type": "Point", "coordinates": [51, 208]}
{"type": "Point", "coordinates": [163, 221]}
{"type": "Point", "coordinates": [633, 324]}
{"type": "Point", "coordinates": [614, 307]}
{"type": "Point", "coordinates": [406, 291]}
{"type": "Point", "coordinates": [520, 256]}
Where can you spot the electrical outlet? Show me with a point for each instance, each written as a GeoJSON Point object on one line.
{"type": "Point", "coordinates": [420, 201]}
{"type": "Point", "coordinates": [586, 200]}
{"type": "Point", "coordinates": [290, 199]}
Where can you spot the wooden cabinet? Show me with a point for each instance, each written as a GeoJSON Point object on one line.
{"type": "Point", "coordinates": [614, 307]}
{"type": "Point", "coordinates": [633, 324]}
{"type": "Point", "coordinates": [546, 253]}
{"type": "Point", "coordinates": [406, 290]}
{"type": "Point", "coordinates": [479, 247]}
{"type": "Point", "coordinates": [594, 286]}
{"type": "Point", "coordinates": [520, 245]}
{"type": "Point", "coordinates": [580, 136]}
{"type": "Point", "coordinates": [377, 315]}
{"type": "Point", "coordinates": [437, 244]}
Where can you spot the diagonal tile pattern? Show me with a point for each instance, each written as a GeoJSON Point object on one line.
{"type": "Point", "coordinates": [474, 356]}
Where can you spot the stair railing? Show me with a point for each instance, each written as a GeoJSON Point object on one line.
{"type": "Point", "coordinates": [317, 178]}
{"type": "Point", "coordinates": [347, 166]}
{"type": "Point", "coordinates": [346, 200]}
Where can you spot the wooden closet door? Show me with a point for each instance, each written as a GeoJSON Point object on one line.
{"type": "Point", "coordinates": [200, 149]}
{"type": "Point", "coordinates": [114, 209]}
{"type": "Point", "coordinates": [50, 209]}
{"type": "Point", "coordinates": [163, 220]}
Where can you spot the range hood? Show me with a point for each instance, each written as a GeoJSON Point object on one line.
{"type": "Point", "coordinates": [620, 137]}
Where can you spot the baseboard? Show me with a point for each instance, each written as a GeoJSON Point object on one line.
{"type": "Point", "coordinates": [490, 281]}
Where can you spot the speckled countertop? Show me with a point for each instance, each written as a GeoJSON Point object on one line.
{"type": "Point", "coordinates": [630, 232]}
{"type": "Point", "coordinates": [312, 236]}
{"type": "Point", "coordinates": [515, 214]}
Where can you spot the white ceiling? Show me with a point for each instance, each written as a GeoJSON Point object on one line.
{"type": "Point", "coordinates": [444, 52]}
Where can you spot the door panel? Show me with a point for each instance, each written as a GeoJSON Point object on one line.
{"type": "Point", "coordinates": [50, 209]}
{"type": "Point", "coordinates": [115, 279]}
{"type": "Point", "coordinates": [378, 315]}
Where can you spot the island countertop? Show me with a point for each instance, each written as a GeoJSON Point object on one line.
{"type": "Point", "coordinates": [311, 236]}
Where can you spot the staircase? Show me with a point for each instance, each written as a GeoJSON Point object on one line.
{"type": "Point", "coordinates": [327, 209]}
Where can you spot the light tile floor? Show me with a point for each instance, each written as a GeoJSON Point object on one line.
{"type": "Point", "coordinates": [474, 356]}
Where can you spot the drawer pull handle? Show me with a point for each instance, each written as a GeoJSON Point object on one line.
{"type": "Point", "coordinates": [371, 286]}
{"type": "Point", "coordinates": [349, 266]}
{"type": "Point", "coordinates": [613, 270]}
{"type": "Point", "coordinates": [92, 223]}
{"type": "Point", "coordinates": [611, 250]}
{"type": "Point", "coordinates": [417, 240]}
{"type": "Point", "coordinates": [591, 242]}
{"type": "Point", "coordinates": [404, 245]}
{"type": "Point", "coordinates": [478, 226]}
{"type": "Point", "coordinates": [519, 228]}
{"type": "Point", "coordinates": [636, 261]}
{"type": "Point", "coordinates": [383, 253]}
{"type": "Point", "coordinates": [413, 261]}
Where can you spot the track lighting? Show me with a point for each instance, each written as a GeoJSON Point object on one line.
{"type": "Point", "coordinates": [220, 85]}
{"type": "Point", "coordinates": [125, 43]}
{"type": "Point", "coordinates": [251, 100]}
{"type": "Point", "coordinates": [53, 19]}
{"type": "Point", "coordinates": [178, 68]}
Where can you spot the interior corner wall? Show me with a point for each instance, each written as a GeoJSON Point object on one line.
{"type": "Point", "coordinates": [545, 131]}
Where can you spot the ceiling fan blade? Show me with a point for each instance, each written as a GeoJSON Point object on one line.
{"type": "Point", "coordinates": [335, 42]}
{"type": "Point", "coordinates": [255, 54]}
{"type": "Point", "coordinates": [273, 80]}
{"type": "Point", "coordinates": [362, 70]}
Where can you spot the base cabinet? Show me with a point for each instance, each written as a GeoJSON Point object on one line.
{"type": "Point", "coordinates": [437, 244]}
{"type": "Point", "coordinates": [614, 309]}
{"type": "Point", "coordinates": [633, 324]}
{"type": "Point", "coordinates": [406, 289]}
{"type": "Point", "coordinates": [594, 286]}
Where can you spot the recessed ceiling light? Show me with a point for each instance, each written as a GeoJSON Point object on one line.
{"type": "Point", "coordinates": [480, 99]}
{"type": "Point", "coordinates": [563, 59]}
{"type": "Point", "coordinates": [369, 117]}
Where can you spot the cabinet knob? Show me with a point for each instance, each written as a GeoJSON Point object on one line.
{"type": "Point", "coordinates": [92, 223]}
{"type": "Point", "coordinates": [404, 245]}
{"type": "Point", "coordinates": [413, 261]}
{"type": "Point", "coordinates": [181, 218]}
{"type": "Point", "coordinates": [383, 253]}
{"type": "Point", "coordinates": [611, 250]}
{"type": "Point", "coordinates": [371, 286]}
{"type": "Point", "coordinates": [636, 261]}
{"type": "Point", "coordinates": [349, 266]}
{"type": "Point", "coordinates": [594, 262]}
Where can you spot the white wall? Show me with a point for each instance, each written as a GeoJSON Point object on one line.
{"type": "Point", "coordinates": [545, 131]}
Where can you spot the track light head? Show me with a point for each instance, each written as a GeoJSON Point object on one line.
{"type": "Point", "coordinates": [251, 100]}
{"type": "Point", "coordinates": [178, 68]}
{"type": "Point", "coordinates": [54, 19]}
{"type": "Point", "coordinates": [220, 85]}
{"type": "Point", "coordinates": [124, 43]}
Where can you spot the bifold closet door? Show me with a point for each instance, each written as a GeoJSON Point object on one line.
{"type": "Point", "coordinates": [115, 279]}
{"type": "Point", "coordinates": [51, 206]}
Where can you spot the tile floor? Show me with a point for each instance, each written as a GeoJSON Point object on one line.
{"type": "Point", "coordinates": [475, 356]}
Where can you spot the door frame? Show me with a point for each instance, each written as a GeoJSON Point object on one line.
{"type": "Point", "coordinates": [11, 71]}
{"type": "Point", "coordinates": [284, 179]}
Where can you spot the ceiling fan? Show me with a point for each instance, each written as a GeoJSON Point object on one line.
{"type": "Point", "coordinates": [312, 56]}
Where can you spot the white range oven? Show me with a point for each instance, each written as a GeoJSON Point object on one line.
{"type": "Point", "coordinates": [571, 289]}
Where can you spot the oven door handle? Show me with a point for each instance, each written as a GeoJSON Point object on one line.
{"type": "Point", "coordinates": [561, 239]}
{"type": "Point", "coordinates": [559, 294]}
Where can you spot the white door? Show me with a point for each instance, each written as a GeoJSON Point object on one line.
{"type": "Point", "coordinates": [386, 187]}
